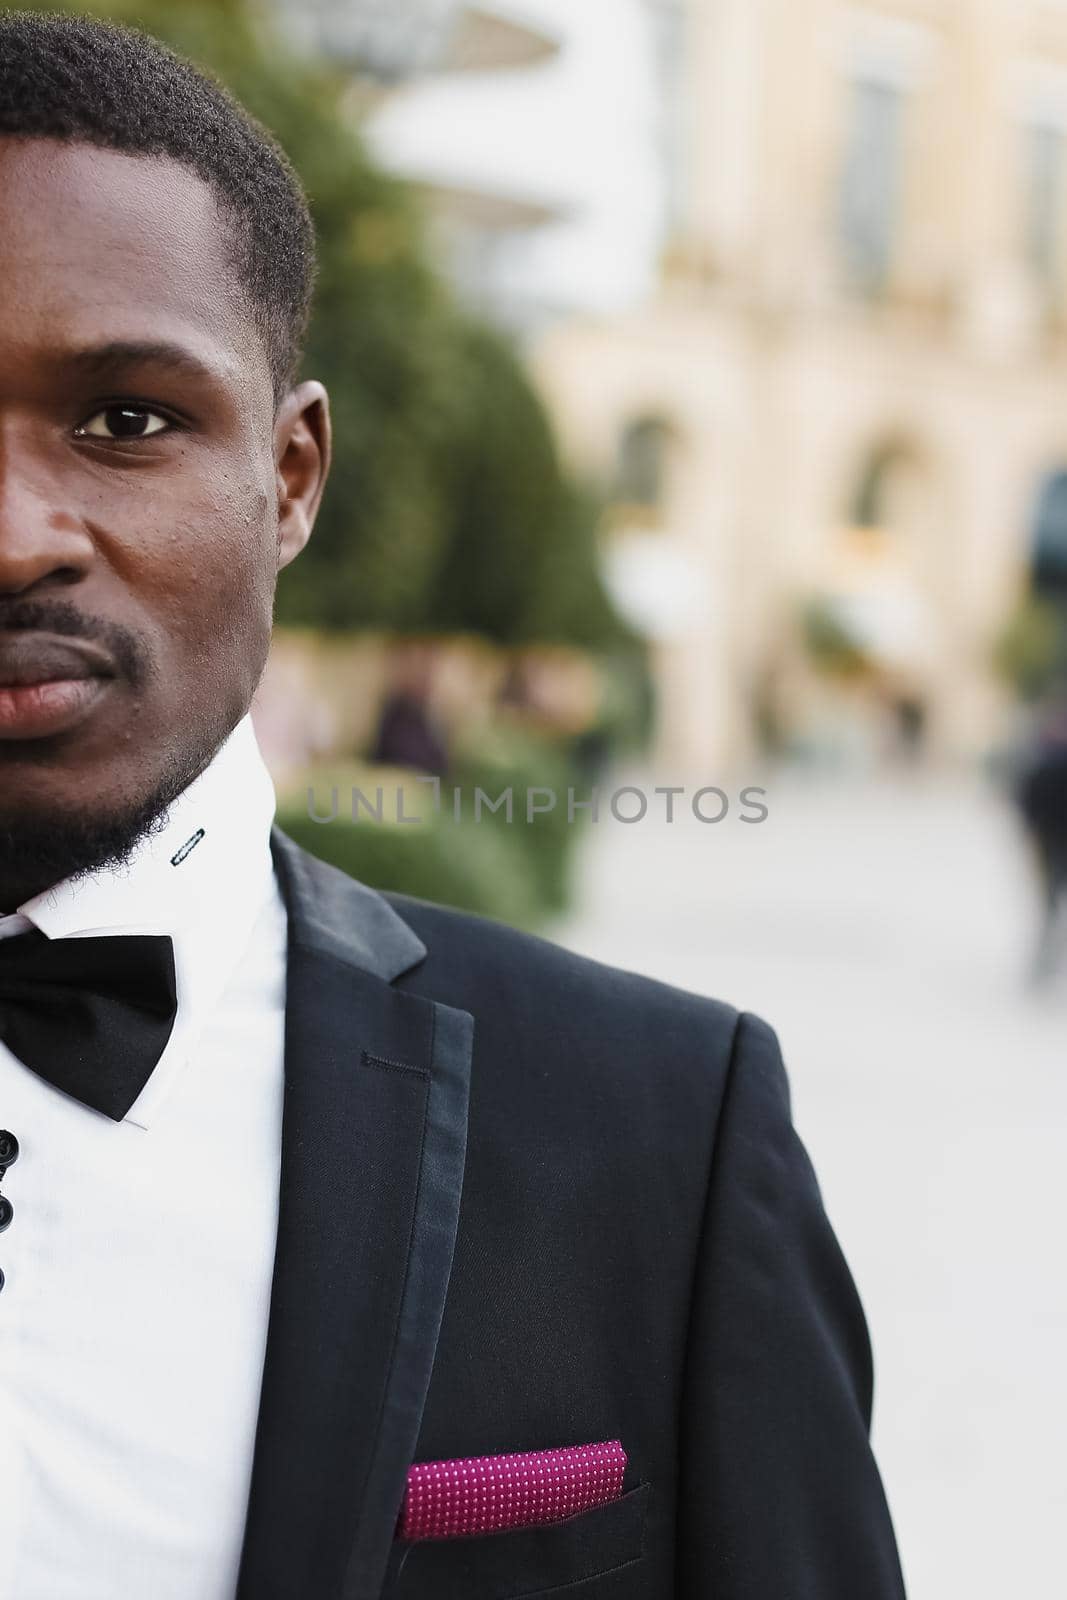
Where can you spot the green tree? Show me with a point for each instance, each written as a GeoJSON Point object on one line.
{"type": "Point", "coordinates": [518, 560]}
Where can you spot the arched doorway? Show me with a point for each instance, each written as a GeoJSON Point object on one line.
{"type": "Point", "coordinates": [659, 566]}
{"type": "Point", "coordinates": [649, 570]}
{"type": "Point", "coordinates": [642, 468]}
{"type": "Point", "coordinates": [876, 626]}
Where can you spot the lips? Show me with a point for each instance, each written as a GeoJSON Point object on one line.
{"type": "Point", "coordinates": [35, 658]}
{"type": "Point", "coordinates": [49, 685]}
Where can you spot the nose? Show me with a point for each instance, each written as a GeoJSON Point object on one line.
{"type": "Point", "coordinates": [42, 544]}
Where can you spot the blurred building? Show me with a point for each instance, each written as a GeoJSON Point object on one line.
{"type": "Point", "coordinates": [837, 436]}
{"type": "Point", "coordinates": [408, 56]}
{"type": "Point", "coordinates": [394, 41]}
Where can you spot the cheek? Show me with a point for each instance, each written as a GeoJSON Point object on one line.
{"type": "Point", "coordinates": [215, 576]}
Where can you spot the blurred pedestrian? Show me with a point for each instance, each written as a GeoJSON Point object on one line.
{"type": "Point", "coordinates": [1041, 794]}
{"type": "Point", "coordinates": [409, 732]}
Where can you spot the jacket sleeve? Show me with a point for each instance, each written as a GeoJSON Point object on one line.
{"type": "Point", "coordinates": [779, 1494]}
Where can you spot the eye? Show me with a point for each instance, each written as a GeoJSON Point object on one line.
{"type": "Point", "coordinates": [123, 422]}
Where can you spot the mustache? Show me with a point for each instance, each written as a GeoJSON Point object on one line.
{"type": "Point", "coordinates": [130, 654]}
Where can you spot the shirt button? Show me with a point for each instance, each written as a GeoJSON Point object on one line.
{"type": "Point", "coordinates": [9, 1150]}
{"type": "Point", "coordinates": [7, 1211]}
{"type": "Point", "coordinates": [1, 1277]}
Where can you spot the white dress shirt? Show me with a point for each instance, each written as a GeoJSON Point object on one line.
{"type": "Point", "coordinates": [138, 1262]}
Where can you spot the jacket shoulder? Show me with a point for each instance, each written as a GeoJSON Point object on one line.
{"type": "Point", "coordinates": [553, 1000]}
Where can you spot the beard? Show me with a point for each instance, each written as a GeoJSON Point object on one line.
{"type": "Point", "coordinates": [40, 849]}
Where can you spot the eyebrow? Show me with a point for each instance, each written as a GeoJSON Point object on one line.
{"type": "Point", "coordinates": [100, 360]}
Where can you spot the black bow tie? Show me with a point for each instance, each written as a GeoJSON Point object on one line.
{"type": "Point", "coordinates": [92, 1015]}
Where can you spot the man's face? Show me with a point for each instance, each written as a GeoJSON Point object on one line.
{"type": "Point", "coordinates": [148, 495]}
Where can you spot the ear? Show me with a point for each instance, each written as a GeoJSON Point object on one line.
{"type": "Point", "coordinates": [302, 445]}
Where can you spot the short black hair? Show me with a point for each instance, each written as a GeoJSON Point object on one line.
{"type": "Point", "coordinates": [81, 80]}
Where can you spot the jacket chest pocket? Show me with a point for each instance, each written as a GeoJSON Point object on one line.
{"type": "Point", "coordinates": [525, 1561]}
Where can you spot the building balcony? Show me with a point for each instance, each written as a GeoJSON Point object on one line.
{"type": "Point", "coordinates": [489, 38]}
{"type": "Point", "coordinates": [396, 40]}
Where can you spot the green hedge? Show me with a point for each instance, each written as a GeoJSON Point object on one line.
{"type": "Point", "coordinates": [470, 868]}
{"type": "Point", "coordinates": [545, 845]}
{"type": "Point", "coordinates": [518, 871]}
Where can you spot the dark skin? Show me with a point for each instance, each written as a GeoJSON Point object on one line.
{"type": "Point", "coordinates": [150, 492]}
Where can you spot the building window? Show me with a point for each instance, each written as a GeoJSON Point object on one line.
{"type": "Point", "coordinates": [1046, 175]}
{"type": "Point", "coordinates": [870, 183]}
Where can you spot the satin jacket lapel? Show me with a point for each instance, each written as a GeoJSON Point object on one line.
{"type": "Point", "coordinates": [373, 1146]}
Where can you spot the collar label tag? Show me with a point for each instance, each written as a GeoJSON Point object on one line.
{"type": "Point", "coordinates": [190, 844]}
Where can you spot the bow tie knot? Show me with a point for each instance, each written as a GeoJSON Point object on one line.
{"type": "Point", "coordinates": [90, 1015]}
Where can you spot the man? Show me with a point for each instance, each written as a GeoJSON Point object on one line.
{"type": "Point", "coordinates": [353, 1246]}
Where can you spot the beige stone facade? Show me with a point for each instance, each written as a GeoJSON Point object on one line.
{"type": "Point", "coordinates": [852, 384]}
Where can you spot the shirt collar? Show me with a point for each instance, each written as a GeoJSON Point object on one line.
{"type": "Point", "coordinates": [202, 876]}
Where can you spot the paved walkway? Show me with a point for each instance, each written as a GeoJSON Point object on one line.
{"type": "Point", "coordinates": [883, 930]}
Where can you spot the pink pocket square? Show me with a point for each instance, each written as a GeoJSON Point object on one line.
{"type": "Point", "coordinates": [488, 1494]}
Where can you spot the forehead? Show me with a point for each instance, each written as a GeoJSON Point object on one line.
{"type": "Point", "coordinates": [99, 245]}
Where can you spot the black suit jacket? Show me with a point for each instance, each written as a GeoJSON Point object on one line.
{"type": "Point", "coordinates": [529, 1201]}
